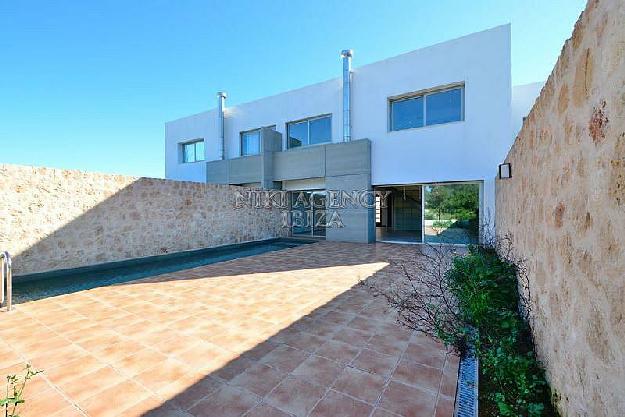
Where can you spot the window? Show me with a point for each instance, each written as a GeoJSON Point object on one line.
{"type": "Point", "coordinates": [443, 107]}
{"type": "Point", "coordinates": [310, 131]}
{"type": "Point", "coordinates": [250, 142]}
{"type": "Point", "coordinates": [407, 113]}
{"type": "Point", "coordinates": [432, 108]}
{"type": "Point", "coordinates": [297, 134]}
{"type": "Point", "coordinates": [193, 151]}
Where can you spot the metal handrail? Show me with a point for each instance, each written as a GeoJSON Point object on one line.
{"type": "Point", "coordinates": [6, 272]}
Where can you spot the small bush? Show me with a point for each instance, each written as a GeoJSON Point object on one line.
{"type": "Point", "coordinates": [515, 383]}
{"type": "Point", "coordinates": [479, 298]}
{"type": "Point", "coordinates": [442, 224]}
{"type": "Point", "coordinates": [487, 289]}
{"type": "Point", "coordinates": [483, 285]}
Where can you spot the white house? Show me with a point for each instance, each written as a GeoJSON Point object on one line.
{"type": "Point", "coordinates": [440, 116]}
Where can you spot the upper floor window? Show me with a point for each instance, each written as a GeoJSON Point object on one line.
{"type": "Point", "coordinates": [426, 109]}
{"type": "Point", "coordinates": [193, 151]}
{"type": "Point", "coordinates": [250, 142]}
{"type": "Point", "coordinates": [309, 131]}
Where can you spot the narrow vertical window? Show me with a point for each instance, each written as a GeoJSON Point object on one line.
{"type": "Point", "coordinates": [250, 142]}
{"type": "Point", "coordinates": [298, 134]}
{"type": "Point", "coordinates": [199, 150]}
{"type": "Point", "coordinates": [320, 130]}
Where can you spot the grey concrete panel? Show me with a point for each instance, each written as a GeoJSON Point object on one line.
{"type": "Point", "coordinates": [300, 163]}
{"type": "Point", "coordinates": [348, 158]}
{"type": "Point", "coordinates": [217, 172]}
{"type": "Point", "coordinates": [359, 220]}
{"type": "Point", "coordinates": [359, 226]}
{"type": "Point", "coordinates": [245, 169]}
{"type": "Point", "coordinates": [271, 141]}
{"type": "Point", "coordinates": [349, 182]}
{"type": "Point", "coordinates": [345, 166]}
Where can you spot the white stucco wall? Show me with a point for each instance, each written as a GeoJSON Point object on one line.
{"type": "Point", "coordinates": [203, 125]}
{"type": "Point", "coordinates": [465, 150]}
{"type": "Point", "coordinates": [460, 151]}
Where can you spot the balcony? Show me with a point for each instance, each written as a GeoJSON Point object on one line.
{"type": "Point", "coordinates": [273, 165]}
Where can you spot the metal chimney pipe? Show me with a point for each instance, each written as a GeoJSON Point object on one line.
{"type": "Point", "coordinates": [347, 91]}
{"type": "Point", "coordinates": [221, 105]}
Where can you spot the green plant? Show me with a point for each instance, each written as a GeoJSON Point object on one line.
{"type": "Point", "coordinates": [442, 224]}
{"type": "Point", "coordinates": [486, 289]}
{"type": "Point", "coordinates": [458, 201]}
{"type": "Point", "coordinates": [486, 283]}
{"type": "Point", "coordinates": [479, 298]}
{"type": "Point", "coordinates": [516, 382]}
{"type": "Point", "coordinates": [15, 391]}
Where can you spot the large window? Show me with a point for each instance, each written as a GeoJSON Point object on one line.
{"type": "Point", "coordinates": [431, 108]}
{"type": "Point", "coordinates": [310, 131]}
{"type": "Point", "coordinates": [250, 142]}
{"type": "Point", "coordinates": [193, 151]}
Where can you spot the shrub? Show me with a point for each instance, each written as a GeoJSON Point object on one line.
{"type": "Point", "coordinates": [484, 287]}
{"type": "Point", "coordinates": [487, 289]}
{"type": "Point", "coordinates": [442, 224]}
{"type": "Point", "coordinates": [514, 383]}
{"type": "Point", "coordinates": [478, 298]}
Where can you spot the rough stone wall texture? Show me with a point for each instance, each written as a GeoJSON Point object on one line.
{"type": "Point", "coordinates": [565, 206]}
{"type": "Point", "coordinates": [52, 218]}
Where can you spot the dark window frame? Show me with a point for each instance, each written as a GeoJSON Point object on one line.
{"type": "Point", "coordinates": [307, 120]}
{"type": "Point", "coordinates": [424, 95]}
{"type": "Point", "coordinates": [183, 151]}
{"type": "Point", "coordinates": [241, 134]}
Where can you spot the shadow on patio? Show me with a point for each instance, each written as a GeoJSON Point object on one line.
{"type": "Point", "coordinates": [278, 334]}
{"type": "Point", "coordinates": [339, 351]}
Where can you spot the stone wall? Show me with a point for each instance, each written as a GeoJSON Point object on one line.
{"type": "Point", "coordinates": [565, 206]}
{"type": "Point", "coordinates": [52, 218]}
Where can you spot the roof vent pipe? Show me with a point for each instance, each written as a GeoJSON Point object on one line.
{"type": "Point", "coordinates": [347, 91]}
{"type": "Point", "coordinates": [221, 105]}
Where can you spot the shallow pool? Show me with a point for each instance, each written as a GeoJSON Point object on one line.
{"type": "Point", "coordinates": [49, 284]}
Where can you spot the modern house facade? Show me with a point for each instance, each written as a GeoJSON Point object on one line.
{"type": "Point", "coordinates": [414, 126]}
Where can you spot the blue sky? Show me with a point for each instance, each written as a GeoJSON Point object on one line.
{"type": "Point", "coordinates": [89, 84]}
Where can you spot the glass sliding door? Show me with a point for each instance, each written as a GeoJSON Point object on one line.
{"type": "Point", "coordinates": [451, 213]}
{"type": "Point", "coordinates": [300, 209]}
{"type": "Point", "coordinates": [319, 214]}
{"type": "Point", "coordinates": [308, 213]}
{"type": "Point", "coordinates": [398, 217]}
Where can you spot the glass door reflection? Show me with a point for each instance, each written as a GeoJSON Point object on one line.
{"type": "Point", "coordinates": [300, 209]}
{"type": "Point", "coordinates": [308, 213]}
{"type": "Point", "coordinates": [319, 213]}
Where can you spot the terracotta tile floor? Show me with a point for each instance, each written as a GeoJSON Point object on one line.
{"type": "Point", "coordinates": [285, 333]}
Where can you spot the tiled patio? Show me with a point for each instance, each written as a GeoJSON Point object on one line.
{"type": "Point", "coordinates": [285, 333]}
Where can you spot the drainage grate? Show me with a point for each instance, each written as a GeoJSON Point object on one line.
{"type": "Point", "coordinates": [466, 395]}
